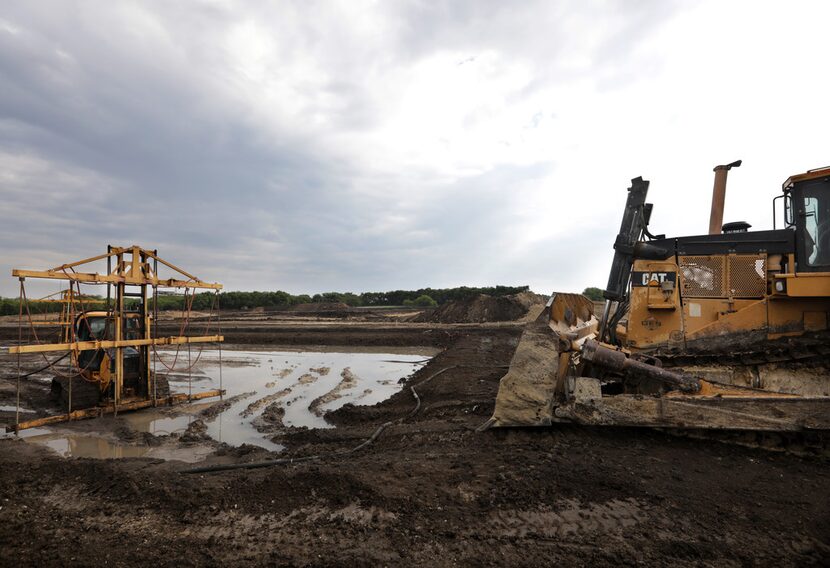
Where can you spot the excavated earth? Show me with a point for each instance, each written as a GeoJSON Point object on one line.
{"type": "Point", "coordinates": [430, 490]}
{"type": "Point", "coordinates": [483, 308]}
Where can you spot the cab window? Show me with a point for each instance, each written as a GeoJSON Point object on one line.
{"type": "Point", "coordinates": [811, 201]}
{"type": "Point", "coordinates": [810, 226]}
{"type": "Point", "coordinates": [816, 229]}
{"type": "Point", "coordinates": [92, 328]}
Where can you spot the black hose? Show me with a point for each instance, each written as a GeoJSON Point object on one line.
{"type": "Point", "coordinates": [622, 310]}
{"type": "Point", "coordinates": [364, 443]}
{"type": "Point", "coordinates": [51, 364]}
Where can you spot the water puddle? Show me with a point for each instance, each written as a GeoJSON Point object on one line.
{"type": "Point", "coordinates": [11, 408]}
{"type": "Point", "coordinates": [266, 392]}
{"type": "Point", "coordinates": [90, 445]}
{"type": "Point", "coordinates": [302, 385]}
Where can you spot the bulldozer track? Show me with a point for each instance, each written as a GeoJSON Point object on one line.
{"type": "Point", "coordinates": [810, 351]}
{"type": "Point", "coordinates": [802, 349]}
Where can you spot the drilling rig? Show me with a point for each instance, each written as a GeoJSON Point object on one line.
{"type": "Point", "coordinates": [112, 350]}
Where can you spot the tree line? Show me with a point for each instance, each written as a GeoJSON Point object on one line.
{"type": "Point", "coordinates": [282, 300]}
{"type": "Point", "coordinates": [420, 297]}
{"type": "Point", "coordinates": [205, 301]}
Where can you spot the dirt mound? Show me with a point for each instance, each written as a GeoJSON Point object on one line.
{"type": "Point", "coordinates": [484, 308]}
{"type": "Point", "coordinates": [321, 307]}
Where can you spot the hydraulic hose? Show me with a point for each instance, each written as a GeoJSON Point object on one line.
{"type": "Point", "coordinates": [51, 363]}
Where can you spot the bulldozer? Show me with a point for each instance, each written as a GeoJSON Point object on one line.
{"type": "Point", "coordinates": [721, 331]}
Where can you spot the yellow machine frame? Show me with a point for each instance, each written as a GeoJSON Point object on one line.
{"type": "Point", "coordinates": [132, 268]}
{"type": "Point", "coordinates": [659, 316]}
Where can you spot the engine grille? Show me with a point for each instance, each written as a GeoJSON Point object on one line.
{"type": "Point", "coordinates": [747, 276]}
{"type": "Point", "coordinates": [703, 276]}
{"type": "Point", "coordinates": [738, 276]}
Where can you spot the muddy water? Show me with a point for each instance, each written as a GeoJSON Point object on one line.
{"type": "Point", "coordinates": [68, 443]}
{"type": "Point", "coordinates": [305, 385]}
{"type": "Point", "coordinates": [10, 408]}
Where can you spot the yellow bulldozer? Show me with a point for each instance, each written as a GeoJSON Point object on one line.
{"type": "Point", "coordinates": [727, 330]}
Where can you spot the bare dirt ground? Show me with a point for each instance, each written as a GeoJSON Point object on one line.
{"type": "Point", "coordinates": [430, 490]}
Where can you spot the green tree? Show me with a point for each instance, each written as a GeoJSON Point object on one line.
{"type": "Point", "coordinates": [424, 301]}
{"type": "Point", "coordinates": [593, 293]}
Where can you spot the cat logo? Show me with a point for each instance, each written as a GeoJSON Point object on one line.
{"type": "Point", "coordinates": [652, 278]}
{"type": "Point", "coordinates": [650, 324]}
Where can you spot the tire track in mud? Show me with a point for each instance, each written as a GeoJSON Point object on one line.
{"type": "Point", "coordinates": [231, 524]}
{"type": "Point", "coordinates": [96, 515]}
{"type": "Point", "coordinates": [348, 381]}
{"type": "Point", "coordinates": [570, 520]}
{"type": "Point", "coordinates": [220, 535]}
{"type": "Point", "coordinates": [261, 402]}
{"type": "Point", "coordinates": [271, 418]}
{"type": "Point", "coordinates": [65, 498]}
{"type": "Point", "coordinates": [352, 530]}
{"type": "Point", "coordinates": [211, 412]}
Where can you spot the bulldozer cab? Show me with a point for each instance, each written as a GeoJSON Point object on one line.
{"type": "Point", "coordinates": [807, 209]}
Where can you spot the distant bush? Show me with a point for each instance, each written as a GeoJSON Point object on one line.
{"type": "Point", "coordinates": [11, 306]}
{"type": "Point", "coordinates": [204, 301]}
{"type": "Point", "coordinates": [422, 301]}
{"type": "Point", "coordinates": [592, 293]}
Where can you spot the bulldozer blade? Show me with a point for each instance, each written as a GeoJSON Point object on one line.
{"type": "Point", "coordinates": [535, 379]}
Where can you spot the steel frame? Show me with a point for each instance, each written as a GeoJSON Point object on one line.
{"type": "Point", "coordinates": [126, 267]}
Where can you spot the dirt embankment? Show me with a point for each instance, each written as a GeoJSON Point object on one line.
{"type": "Point", "coordinates": [317, 307]}
{"type": "Point", "coordinates": [284, 333]}
{"type": "Point", "coordinates": [484, 308]}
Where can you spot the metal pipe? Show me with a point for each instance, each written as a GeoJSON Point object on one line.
{"type": "Point", "coordinates": [120, 288]}
{"type": "Point", "coordinates": [719, 197]}
{"type": "Point", "coordinates": [155, 325]}
{"type": "Point", "coordinates": [631, 368]}
{"type": "Point", "coordinates": [219, 330]}
{"type": "Point", "coordinates": [19, 342]}
{"type": "Point", "coordinates": [109, 271]}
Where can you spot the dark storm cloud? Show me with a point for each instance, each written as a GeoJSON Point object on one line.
{"type": "Point", "coordinates": [124, 123]}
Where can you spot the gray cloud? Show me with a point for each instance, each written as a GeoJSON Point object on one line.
{"type": "Point", "coordinates": [230, 136]}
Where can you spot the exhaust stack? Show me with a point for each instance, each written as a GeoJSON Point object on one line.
{"type": "Point", "coordinates": [719, 197]}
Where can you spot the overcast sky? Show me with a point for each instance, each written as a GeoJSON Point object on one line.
{"type": "Point", "coordinates": [353, 146]}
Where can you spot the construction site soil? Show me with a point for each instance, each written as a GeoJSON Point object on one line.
{"type": "Point", "coordinates": [429, 490]}
{"type": "Point", "coordinates": [483, 308]}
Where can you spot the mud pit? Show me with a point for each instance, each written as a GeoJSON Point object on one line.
{"type": "Point", "coordinates": [268, 393]}
{"type": "Point", "coordinates": [429, 490]}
